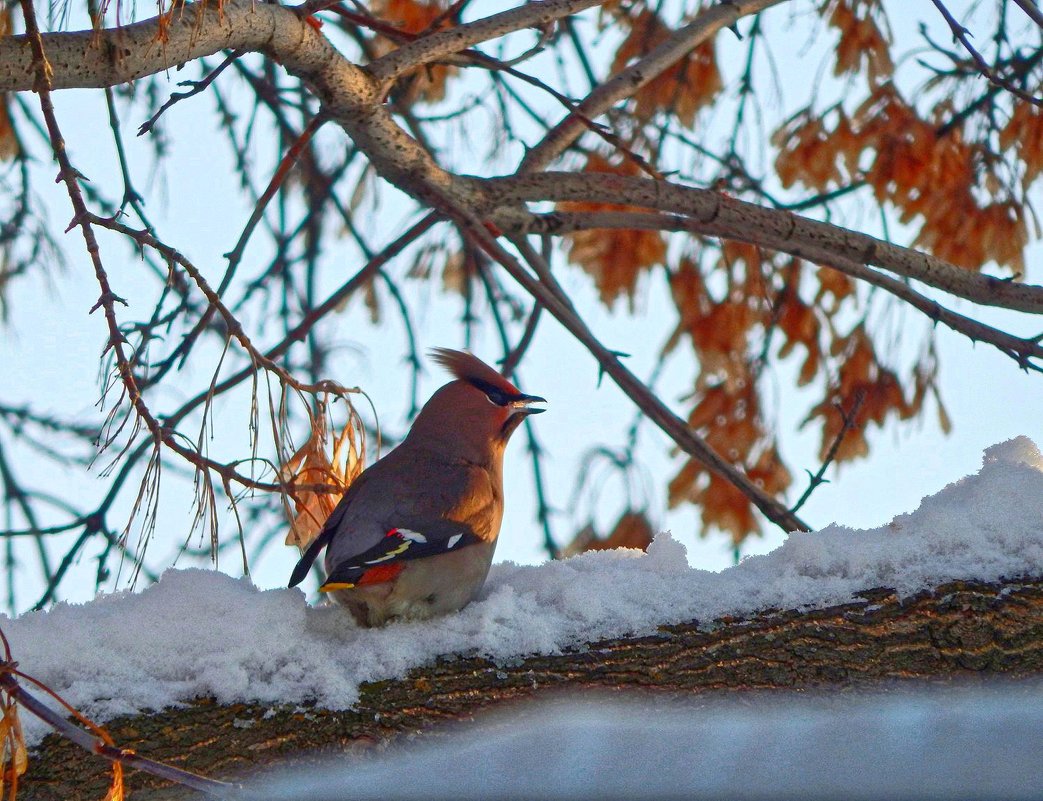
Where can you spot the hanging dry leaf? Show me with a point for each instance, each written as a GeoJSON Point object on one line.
{"type": "Point", "coordinates": [457, 273]}
{"type": "Point", "coordinates": [9, 147]}
{"type": "Point", "coordinates": [116, 791]}
{"type": "Point", "coordinates": [615, 258]}
{"type": "Point", "coordinates": [722, 505]}
{"type": "Point", "coordinates": [719, 330]}
{"type": "Point", "coordinates": [862, 45]}
{"type": "Point", "coordinates": [372, 301]}
{"type": "Point", "coordinates": [726, 508]}
{"type": "Point", "coordinates": [311, 465]}
{"type": "Point", "coordinates": [807, 153]}
{"type": "Point", "coordinates": [800, 326]}
{"type": "Point", "coordinates": [581, 542]}
{"type": "Point", "coordinates": [683, 88]}
{"type": "Point", "coordinates": [860, 375]}
{"type": "Point", "coordinates": [835, 283]}
{"type": "Point", "coordinates": [944, 421]}
{"type": "Point", "coordinates": [1024, 133]}
{"type": "Point", "coordinates": [14, 760]}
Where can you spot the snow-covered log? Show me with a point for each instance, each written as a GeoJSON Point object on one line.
{"type": "Point", "coordinates": [244, 677]}
{"type": "Point", "coordinates": [960, 629]}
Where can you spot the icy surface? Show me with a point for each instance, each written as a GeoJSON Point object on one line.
{"type": "Point", "coordinates": [943, 742]}
{"type": "Point", "coordinates": [199, 632]}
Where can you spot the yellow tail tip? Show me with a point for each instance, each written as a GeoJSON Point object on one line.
{"type": "Point", "coordinates": [341, 585]}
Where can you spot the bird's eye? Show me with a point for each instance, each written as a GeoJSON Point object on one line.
{"type": "Point", "coordinates": [493, 394]}
{"type": "Point", "coordinates": [496, 397]}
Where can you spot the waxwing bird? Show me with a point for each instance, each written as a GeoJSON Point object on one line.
{"type": "Point", "coordinates": [414, 534]}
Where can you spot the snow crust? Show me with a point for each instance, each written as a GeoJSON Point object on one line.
{"type": "Point", "coordinates": [199, 632]}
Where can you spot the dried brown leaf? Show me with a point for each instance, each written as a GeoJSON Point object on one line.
{"type": "Point", "coordinates": [682, 89]}
{"type": "Point", "coordinates": [116, 790]}
{"type": "Point", "coordinates": [311, 465]}
{"type": "Point", "coordinates": [615, 258]}
{"type": "Point", "coordinates": [14, 760]}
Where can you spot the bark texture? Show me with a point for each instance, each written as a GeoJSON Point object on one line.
{"type": "Point", "coordinates": [960, 629]}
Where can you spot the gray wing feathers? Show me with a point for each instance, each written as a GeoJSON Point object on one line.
{"type": "Point", "coordinates": [406, 490]}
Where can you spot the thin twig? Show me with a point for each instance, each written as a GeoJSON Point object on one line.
{"type": "Point", "coordinates": [959, 33]}
{"type": "Point", "coordinates": [850, 419]}
{"type": "Point", "coordinates": [195, 87]}
{"type": "Point", "coordinates": [514, 357]}
{"type": "Point", "coordinates": [96, 745]}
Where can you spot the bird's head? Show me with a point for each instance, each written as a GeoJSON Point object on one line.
{"type": "Point", "coordinates": [478, 411]}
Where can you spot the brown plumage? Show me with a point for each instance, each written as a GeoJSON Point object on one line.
{"type": "Point", "coordinates": [414, 535]}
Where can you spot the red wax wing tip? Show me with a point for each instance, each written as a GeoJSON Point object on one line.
{"type": "Point", "coordinates": [379, 574]}
{"type": "Point", "coordinates": [492, 229]}
{"type": "Point", "coordinates": [469, 367]}
{"type": "Point", "coordinates": [315, 23]}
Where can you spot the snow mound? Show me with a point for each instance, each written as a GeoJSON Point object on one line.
{"type": "Point", "coordinates": [199, 632]}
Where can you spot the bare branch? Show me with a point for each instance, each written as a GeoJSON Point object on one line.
{"type": "Point", "coordinates": [603, 97]}
{"type": "Point", "coordinates": [1020, 349]}
{"type": "Point", "coordinates": [441, 44]}
{"type": "Point", "coordinates": [960, 33]}
{"type": "Point", "coordinates": [109, 57]}
{"type": "Point", "coordinates": [98, 745]}
{"type": "Point", "coordinates": [713, 214]}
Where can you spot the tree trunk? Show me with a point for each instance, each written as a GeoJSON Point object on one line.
{"type": "Point", "coordinates": [960, 629]}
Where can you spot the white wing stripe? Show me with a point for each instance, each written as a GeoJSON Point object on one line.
{"type": "Point", "coordinates": [412, 536]}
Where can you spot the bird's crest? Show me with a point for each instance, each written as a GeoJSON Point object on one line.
{"type": "Point", "coordinates": [468, 367]}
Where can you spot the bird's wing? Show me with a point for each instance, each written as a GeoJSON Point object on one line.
{"type": "Point", "coordinates": [385, 560]}
{"type": "Point", "coordinates": [439, 502]}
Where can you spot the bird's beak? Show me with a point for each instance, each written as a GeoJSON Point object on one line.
{"type": "Point", "coordinates": [520, 408]}
{"type": "Point", "coordinates": [520, 404]}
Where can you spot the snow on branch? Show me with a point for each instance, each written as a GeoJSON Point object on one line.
{"type": "Point", "coordinates": [176, 640]}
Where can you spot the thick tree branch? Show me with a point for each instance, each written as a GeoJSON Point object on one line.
{"type": "Point", "coordinates": [713, 214]}
{"type": "Point", "coordinates": [109, 57]}
{"type": "Point", "coordinates": [1018, 348]}
{"type": "Point", "coordinates": [446, 43]}
{"type": "Point", "coordinates": [963, 629]}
